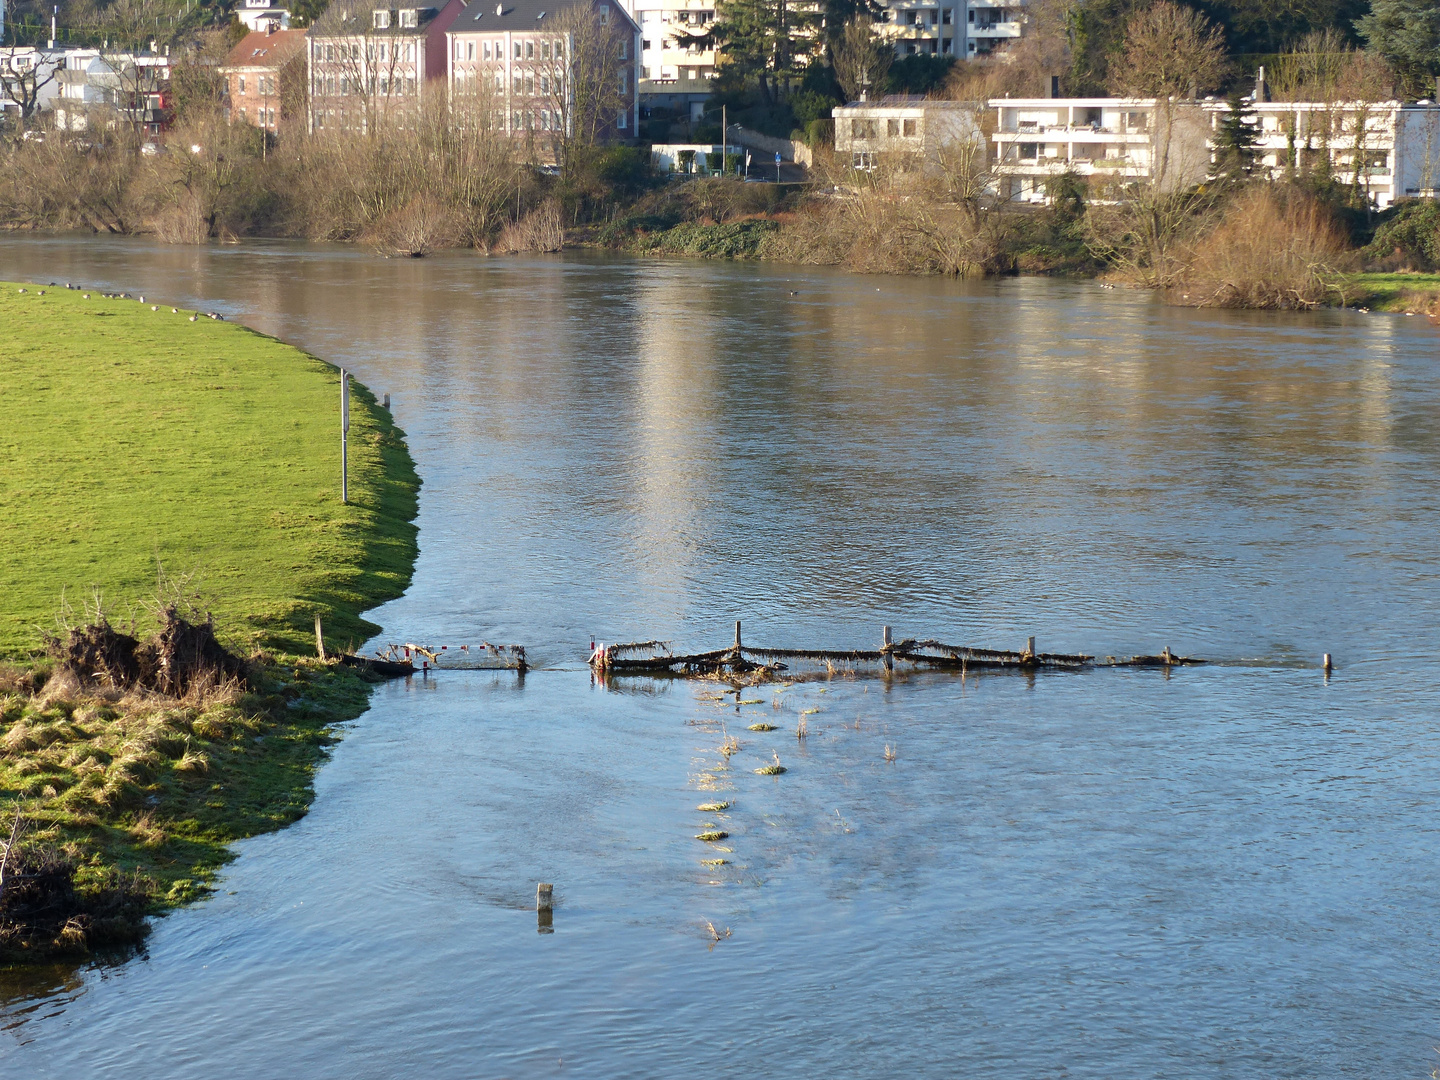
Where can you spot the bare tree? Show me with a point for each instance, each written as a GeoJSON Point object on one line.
{"type": "Point", "coordinates": [1170, 54]}
{"type": "Point", "coordinates": [24, 75]}
{"type": "Point", "coordinates": [861, 59]}
{"type": "Point", "coordinates": [585, 81]}
{"type": "Point", "coordinates": [364, 68]}
{"type": "Point", "coordinates": [1347, 83]}
{"type": "Point", "coordinates": [1169, 51]}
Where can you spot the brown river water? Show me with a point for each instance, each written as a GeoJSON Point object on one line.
{"type": "Point", "coordinates": [1232, 871]}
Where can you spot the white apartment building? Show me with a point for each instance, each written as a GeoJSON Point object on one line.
{"type": "Point", "coordinates": [1111, 142]}
{"type": "Point", "coordinates": [1397, 145]}
{"type": "Point", "coordinates": [926, 27]}
{"type": "Point", "coordinates": [913, 132]}
{"type": "Point", "coordinates": [991, 26]}
{"type": "Point", "coordinates": [674, 72]}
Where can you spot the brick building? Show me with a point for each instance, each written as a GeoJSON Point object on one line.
{"type": "Point", "coordinates": [265, 77]}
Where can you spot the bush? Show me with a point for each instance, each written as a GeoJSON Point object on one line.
{"type": "Point", "coordinates": [1409, 238]}
{"type": "Point", "coordinates": [1273, 249]}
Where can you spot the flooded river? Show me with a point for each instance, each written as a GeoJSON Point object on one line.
{"type": "Point", "coordinates": [1232, 871]}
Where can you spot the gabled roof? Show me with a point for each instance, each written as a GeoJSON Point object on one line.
{"type": "Point", "coordinates": [493, 16]}
{"type": "Point", "coordinates": [259, 49]}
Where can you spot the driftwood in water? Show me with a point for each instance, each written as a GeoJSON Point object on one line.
{"type": "Point", "coordinates": [1165, 659]}
{"type": "Point", "coordinates": [928, 652]}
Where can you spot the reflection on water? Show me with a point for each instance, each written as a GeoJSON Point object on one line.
{"type": "Point", "coordinates": [1228, 872]}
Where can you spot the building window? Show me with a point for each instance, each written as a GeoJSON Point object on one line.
{"type": "Point", "coordinates": [892, 128]}
{"type": "Point", "coordinates": [242, 84]}
{"type": "Point", "coordinates": [529, 50]}
{"type": "Point", "coordinates": [1029, 151]}
{"type": "Point", "coordinates": [623, 51]}
{"type": "Point", "coordinates": [529, 84]}
{"type": "Point", "coordinates": [947, 17]}
{"type": "Point", "coordinates": [470, 50]}
{"type": "Point", "coordinates": [410, 18]}
{"type": "Point", "coordinates": [604, 14]}
{"type": "Point", "coordinates": [381, 20]}
{"type": "Point", "coordinates": [910, 126]}
{"type": "Point", "coordinates": [545, 50]}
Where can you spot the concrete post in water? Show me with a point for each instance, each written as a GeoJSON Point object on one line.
{"type": "Point", "coordinates": [1030, 648]}
{"type": "Point", "coordinates": [387, 402]}
{"type": "Point", "coordinates": [545, 907]}
{"type": "Point", "coordinates": [319, 639]}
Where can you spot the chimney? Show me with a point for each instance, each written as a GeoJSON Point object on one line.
{"type": "Point", "coordinates": [1054, 86]}
{"type": "Point", "coordinates": [1260, 85]}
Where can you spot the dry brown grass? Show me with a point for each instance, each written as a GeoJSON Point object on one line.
{"type": "Point", "coordinates": [540, 230]}
{"type": "Point", "coordinates": [1277, 249]}
{"type": "Point", "coordinates": [894, 228]}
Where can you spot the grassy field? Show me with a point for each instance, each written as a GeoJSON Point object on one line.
{"type": "Point", "coordinates": [1394, 292]}
{"type": "Point", "coordinates": [137, 441]}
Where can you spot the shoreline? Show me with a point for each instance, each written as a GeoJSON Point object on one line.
{"type": "Point", "coordinates": [132, 794]}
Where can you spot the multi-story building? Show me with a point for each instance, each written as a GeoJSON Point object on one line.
{"type": "Point", "coordinates": [991, 26]}
{"type": "Point", "coordinates": [30, 78]}
{"type": "Point", "coordinates": [119, 87]}
{"type": "Point", "coordinates": [517, 58]}
{"type": "Point", "coordinates": [1389, 149]}
{"type": "Point", "coordinates": [1110, 142]}
{"type": "Point", "coordinates": [924, 27]}
{"type": "Point", "coordinates": [265, 77]}
{"type": "Point", "coordinates": [675, 69]}
{"type": "Point", "coordinates": [912, 132]}
{"type": "Point", "coordinates": [364, 62]}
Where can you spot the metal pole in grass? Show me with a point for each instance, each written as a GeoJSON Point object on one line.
{"type": "Point", "coordinates": [344, 430]}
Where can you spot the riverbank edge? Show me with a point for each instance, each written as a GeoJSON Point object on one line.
{"type": "Point", "coordinates": [744, 241]}
{"type": "Point", "coordinates": [196, 775]}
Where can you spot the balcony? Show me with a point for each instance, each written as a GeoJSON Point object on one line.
{"type": "Point", "coordinates": [994, 30]}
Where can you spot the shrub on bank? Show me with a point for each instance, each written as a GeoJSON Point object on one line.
{"type": "Point", "coordinates": [1272, 249]}
{"type": "Point", "coordinates": [1408, 238]}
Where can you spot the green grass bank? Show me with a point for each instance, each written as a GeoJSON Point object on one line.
{"type": "Point", "coordinates": [138, 441]}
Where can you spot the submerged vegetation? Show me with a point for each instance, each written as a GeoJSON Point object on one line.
{"type": "Point", "coordinates": [172, 715]}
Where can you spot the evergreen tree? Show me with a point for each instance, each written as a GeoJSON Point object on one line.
{"type": "Point", "coordinates": [1406, 33]}
{"type": "Point", "coordinates": [768, 41]}
{"type": "Point", "coordinates": [1235, 140]}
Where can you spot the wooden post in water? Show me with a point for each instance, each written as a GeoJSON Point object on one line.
{"type": "Point", "coordinates": [889, 659]}
{"type": "Point", "coordinates": [545, 908]}
{"type": "Point", "coordinates": [387, 402]}
{"type": "Point", "coordinates": [319, 639]}
{"type": "Point", "coordinates": [737, 639]}
{"type": "Point", "coordinates": [1030, 648]}
{"type": "Point", "coordinates": [1329, 667]}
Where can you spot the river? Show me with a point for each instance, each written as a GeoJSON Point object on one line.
{"type": "Point", "coordinates": [1229, 871]}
